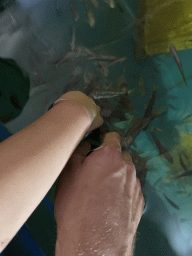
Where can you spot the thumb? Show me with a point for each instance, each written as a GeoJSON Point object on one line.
{"type": "Point", "coordinates": [98, 120]}
{"type": "Point", "coordinates": [112, 139]}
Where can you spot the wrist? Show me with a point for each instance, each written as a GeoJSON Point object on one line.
{"type": "Point", "coordinates": [76, 111]}
{"type": "Point", "coordinates": [81, 99]}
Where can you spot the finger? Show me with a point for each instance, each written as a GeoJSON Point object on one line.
{"type": "Point", "coordinates": [97, 122]}
{"type": "Point", "coordinates": [112, 139]}
{"type": "Point", "coordinates": [127, 157]}
{"type": "Point", "coordinates": [83, 149]}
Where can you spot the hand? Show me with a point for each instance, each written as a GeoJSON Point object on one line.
{"type": "Point", "coordinates": [88, 104]}
{"type": "Point", "coordinates": [98, 202]}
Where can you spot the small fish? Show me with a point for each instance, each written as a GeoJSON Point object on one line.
{"type": "Point", "coordinates": [74, 79]}
{"type": "Point", "coordinates": [162, 149]}
{"type": "Point", "coordinates": [118, 113]}
{"type": "Point", "coordinates": [187, 119]}
{"type": "Point", "coordinates": [120, 8]}
{"type": "Point", "coordinates": [107, 95]}
{"type": "Point", "coordinates": [185, 174]}
{"type": "Point", "coordinates": [95, 3]}
{"type": "Point", "coordinates": [157, 181]}
{"type": "Point", "coordinates": [174, 53]}
{"type": "Point", "coordinates": [103, 58]}
{"type": "Point", "coordinates": [91, 86]}
{"type": "Point", "coordinates": [116, 61]}
{"type": "Point", "coordinates": [157, 129]}
{"type": "Point", "coordinates": [77, 52]}
{"type": "Point", "coordinates": [73, 40]}
{"type": "Point", "coordinates": [172, 97]}
{"type": "Point", "coordinates": [149, 109]}
{"type": "Point", "coordinates": [140, 124]}
{"type": "Point", "coordinates": [181, 192]}
{"type": "Point", "coordinates": [121, 80]}
{"type": "Point", "coordinates": [111, 3]}
{"type": "Point", "coordinates": [103, 69]}
{"type": "Point", "coordinates": [172, 107]}
{"type": "Point", "coordinates": [171, 202]}
{"type": "Point", "coordinates": [91, 19]}
{"type": "Point", "coordinates": [142, 86]}
{"type": "Point", "coordinates": [183, 165]}
{"type": "Point", "coordinates": [126, 103]}
{"type": "Point", "coordinates": [74, 10]}
{"type": "Point", "coordinates": [12, 18]}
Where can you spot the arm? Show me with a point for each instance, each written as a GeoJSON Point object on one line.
{"type": "Point", "coordinates": [32, 159]}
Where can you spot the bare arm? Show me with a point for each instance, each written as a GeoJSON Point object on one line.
{"type": "Point", "coordinates": [32, 159]}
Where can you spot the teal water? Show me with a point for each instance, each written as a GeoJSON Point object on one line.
{"type": "Point", "coordinates": [163, 230]}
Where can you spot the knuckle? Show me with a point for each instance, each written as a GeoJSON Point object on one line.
{"type": "Point", "coordinates": [131, 169]}
{"type": "Point", "coordinates": [138, 184]}
{"type": "Point", "coordinates": [111, 151]}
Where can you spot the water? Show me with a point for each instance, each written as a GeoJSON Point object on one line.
{"type": "Point", "coordinates": [114, 34]}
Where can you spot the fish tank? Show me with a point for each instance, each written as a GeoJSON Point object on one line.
{"type": "Point", "coordinates": [133, 58]}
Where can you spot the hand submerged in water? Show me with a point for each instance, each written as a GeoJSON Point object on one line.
{"type": "Point", "coordinates": [98, 202]}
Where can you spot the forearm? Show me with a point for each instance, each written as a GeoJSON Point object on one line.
{"type": "Point", "coordinates": [32, 159]}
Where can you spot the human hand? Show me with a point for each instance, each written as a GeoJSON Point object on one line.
{"type": "Point", "coordinates": [98, 202]}
{"type": "Point", "coordinates": [88, 104]}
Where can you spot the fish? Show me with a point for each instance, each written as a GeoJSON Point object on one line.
{"type": "Point", "coordinates": [111, 3]}
{"type": "Point", "coordinates": [95, 3]}
{"type": "Point", "coordinates": [120, 7]}
{"type": "Point", "coordinates": [126, 103]}
{"type": "Point", "coordinates": [103, 58]}
{"type": "Point", "coordinates": [91, 19]}
{"type": "Point", "coordinates": [104, 69]}
{"type": "Point", "coordinates": [107, 95]}
{"type": "Point", "coordinates": [149, 109]}
{"type": "Point", "coordinates": [187, 119]}
{"type": "Point", "coordinates": [116, 61]}
{"type": "Point", "coordinates": [162, 149]}
{"type": "Point", "coordinates": [74, 10]}
{"type": "Point", "coordinates": [74, 79]}
{"type": "Point", "coordinates": [111, 59]}
{"type": "Point", "coordinates": [77, 52]}
{"type": "Point", "coordinates": [91, 86]}
{"type": "Point", "coordinates": [185, 174]}
{"type": "Point", "coordinates": [172, 97]}
{"type": "Point", "coordinates": [181, 192]}
{"type": "Point", "coordinates": [157, 129]}
{"type": "Point", "coordinates": [172, 107]}
{"type": "Point", "coordinates": [171, 202]}
{"type": "Point", "coordinates": [142, 86]}
{"type": "Point", "coordinates": [174, 53]}
{"type": "Point", "coordinates": [157, 181]}
{"type": "Point", "coordinates": [12, 18]}
{"type": "Point", "coordinates": [183, 165]}
{"type": "Point", "coordinates": [73, 40]}
{"type": "Point", "coordinates": [140, 123]}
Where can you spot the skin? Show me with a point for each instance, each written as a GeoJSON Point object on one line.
{"type": "Point", "coordinates": [98, 202]}
{"type": "Point", "coordinates": [38, 158]}
{"type": "Point", "coordinates": [35, 156]}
